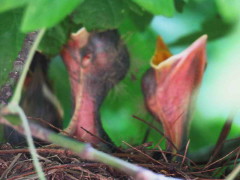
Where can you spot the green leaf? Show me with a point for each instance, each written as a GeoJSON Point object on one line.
{"type": "Point", "coordinates": [10, 4]}
{"type": "Point", "coordinates": [13, 119]}
{"type": "Point", "coordinates": [11, 41]}
{"type": "Point", "coordinates": [100, 14]}
{"type": "Point", "coordinates": [137, 19]}
{"type": "Point", "coordinates": [210, 27]}
{"type": "Point", "coordinates": [126, 98]}
{"type": "Point", "coordinates": [158, 7]}
{"type": "Point", "coordinates": [179, 5]}
{"type": "Point", "coordinates": [52, 41]}
{"type": "Point", "coordinates": [46, 13]}
{"type": "Point", "coordinates": [54, 38]}
{"type": "Point", "coordinates": [229, 9]}
{"type": "Point", "coordinates": [61, 86]}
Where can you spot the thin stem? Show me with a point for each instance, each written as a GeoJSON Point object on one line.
{"type": "Point", "coordinates": [17, 95]}
{"type": "Point", "coordinates": [16, 108]}
{"type": "Point", "coordinates": [85, 151]}
{"type": "Point", "coordinates": [234, 173]}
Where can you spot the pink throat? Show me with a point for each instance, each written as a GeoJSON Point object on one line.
{"type": "Point", "coordinates": [85, 113]}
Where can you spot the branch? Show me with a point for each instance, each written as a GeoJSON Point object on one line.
{"type": "Point", "coordinates": [85, 151]}
{"type": "Point", "coordinates": [14, 108]}
{"type": "Point", "coordinates": [17, 94]}
{"type": "Point", "coordinates": [6, 90]}
{"type": "Point", "coordinates": [234, 173]}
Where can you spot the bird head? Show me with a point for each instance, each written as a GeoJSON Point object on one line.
{"type": "Point", "coordinates": [170, 86]}
{"type": "Point", "coordinates": [96, 61]}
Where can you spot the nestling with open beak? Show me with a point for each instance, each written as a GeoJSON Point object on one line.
{"type": "Point", "coordinates": [38, 102]}
{"type": "Point", "coordinates": [95, 62]}
{"type": "Point", "coordinates": [170, 86]}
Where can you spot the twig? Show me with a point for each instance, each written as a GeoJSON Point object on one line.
{"type": "Point", "coordinates": [200, 172]}
{"type": "Point", "coordinates": [150, 125]}
{"type": "Point", "coordinates": [39, 151]}
{"type": "Point", "coordinates": [145, 154]}
{"type": "Point", "coordinates": [89, 172]}
{"type": "Point", "coordinates": [185, 153]}
{"type": "Point", "coordinates": [203, 155]}
{"type": "Point", "coordinates": [234, 173]}
{"type": "Point", "coordinates": [13, 107]}
{"type": "Point", "coordinates": [164, 156]}
{"type": "Point", "coordinates": [85, 151]}
{"type": "Point", "coordinates": [237, 156]}
{"type": "Point", "coordinates": [58, 167]}
{"type": "Point", "coordinates": [6, 90]}
{"type": "Point", "coordinates": [4, 174]}
{"type": "Point", "coordinates": [178, 155]}
{"type": "Point", "coordinates": [17, 94]}
{"type": "Point", "coordinates": [235, 150]}
{"type": "Point", "coordinates": [221, 139]}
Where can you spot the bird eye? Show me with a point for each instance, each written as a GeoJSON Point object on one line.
{"type": "Point", "coordinates": [86, 57]}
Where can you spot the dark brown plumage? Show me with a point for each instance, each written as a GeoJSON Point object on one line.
{"type": "Point", "coordinates": [37, 101]}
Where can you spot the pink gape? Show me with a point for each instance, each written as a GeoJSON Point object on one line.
{"type": "Point", "coordinates": [95, 62]}
{"type": "Point", "coordinates": [170, 86]}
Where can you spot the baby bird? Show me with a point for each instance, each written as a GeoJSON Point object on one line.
{"type": "Point", "coordinates": [170, 86]}
{"type": "Point", "coordinates": [96, 62]}
{"type": "Point", "coordinates": [38, 101]}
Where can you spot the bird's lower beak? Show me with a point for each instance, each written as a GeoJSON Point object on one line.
{"type": "Point", "coordinates": [176, 80]}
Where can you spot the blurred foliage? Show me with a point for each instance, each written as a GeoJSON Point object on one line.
{"type": "Point", "coordinates": [57, 36]}
{"type": "Point", "coordinates": [104, 14]}
{"type": "Point", "coordinates": [219, 19]}
{"type": "Point", "coordinates": [229, 10]}
{"type": "Point", "coordinates": [11, 4]}
{"type": "Point", "coordinates": [10, 41]}
{"type": "Point", "coordinates": [163, 7]}
{"type": "Point", "coordinates": [210, 27]}
{"type": "Point", "coordinates": [45, 13]}
{"type": "Point", "coordinates": [61, 86]}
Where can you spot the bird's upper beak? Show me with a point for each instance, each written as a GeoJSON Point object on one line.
{"type": "Point", "coordinates": [72, 58]}
{"type": "Point", "coordinates": [176, 79]}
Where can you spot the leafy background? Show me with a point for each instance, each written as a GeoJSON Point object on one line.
{"type": "Point", "coordinates": [179, 22]}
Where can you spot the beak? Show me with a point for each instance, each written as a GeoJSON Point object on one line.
{"type": "Point", "coordinates": [171, 84]}
{"type": "Point", "coordinates": [71, 57]}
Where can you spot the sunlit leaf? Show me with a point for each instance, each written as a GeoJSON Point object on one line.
{"type": "Point", "coordinates": [158, 7]}
{"type": "Point", "coordinates": [56, 37]}
{"type": "Point", "coordinates": [210, 27]}
{"type": "Point", "coordinates": [229, 9]}
{"type": "Point", "coordinates": [11, 41]}
{"type": "Point", "coordinates": [10, 4]}
{"type": "Point", "coordinates": [45, 13]}
{"type": "Point", "coordinates": [100, 14]}
{"type": "Point", "coordinates": [137, 19]}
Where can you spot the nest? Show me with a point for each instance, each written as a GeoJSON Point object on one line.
{"type": "Point", "coordinates": [62, 164]}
